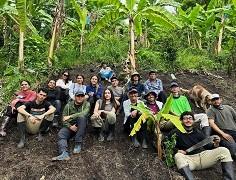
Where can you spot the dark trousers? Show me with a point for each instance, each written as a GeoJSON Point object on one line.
{"type": "Point", "coordinates": [143, 130]}
{"type": "Point", "coordinates": [230, 145]}
{"type": "Point", "coordinates": [65, 133]}
{"type": "Point", "coordinates": [57, 105]}
{"type": "Point", "coordinates": [13, 114]}
{"type": "Point", "coordinates": [162, 96]}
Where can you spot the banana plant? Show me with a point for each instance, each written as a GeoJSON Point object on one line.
{"type": "Point", "coordinates": [147, 114]}
{"type": "Point", "coordinates": [135, 12]}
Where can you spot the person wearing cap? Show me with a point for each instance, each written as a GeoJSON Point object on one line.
{"type": "Point", "coordinates": [106, 72]}
{"type": "Point", "coordinates": [131, 117]}
{"type": "Point", "coordinates": [155, 84]}
{"type": "Point", "coordinates": [74, 118]}
{"type": "Point", "coordinates": [104, 117]}
{"type": "Point", "coordinates": [35, 117]}
{"type": "Point", "coordinates": [202, 157]}
{"type": "Point", "coordinates": [222, 119]}
{"type": "Point", "coordinates": [135, 82]}
{"type": "Point", "coordinates": [179, 105]}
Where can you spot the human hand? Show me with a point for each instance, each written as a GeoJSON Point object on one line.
{"type": "Point", "coordinates": [216, 140]}
{"type": "Point", "coordinates": [134, 113]}
{"type": "Point", "coordinates": [181, 151]}
{"type": "Point", "coordinates": [33, 119]}
{"type": "Point", "coordinates": [40, 117]}
{"type": "Point", "coordinates": [91, 94]}
{"type": "Point", "coordinates": [227, 137]}
{"type": "Point", "coordinates": [73, 128]}
{"type": "Point", "coordinates": [13, 103]}
{"type": "Point", "coordinates": [65, 118]}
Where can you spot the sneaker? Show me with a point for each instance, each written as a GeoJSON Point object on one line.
{"type": "Point", "coordinates": [100, 136]}
{"type": "Point", "coordinates": [40, 137]}
{"type": "Point", "coordinates": [3, 132]}
{"type": "Point", "coordinates": [63, 157]}
{"type": "Point", "coordinates": [144, 144]}
{"type": "Point", "coordinates": [77, 148]}
{"type": "Point", "coordinates": [55, 124]}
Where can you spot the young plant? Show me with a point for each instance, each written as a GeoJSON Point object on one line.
{"type": "Point", "coordinates": [169, 145]}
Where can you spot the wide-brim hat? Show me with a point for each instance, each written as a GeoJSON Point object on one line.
{"type": "Point", "coordinates": [149, 92]}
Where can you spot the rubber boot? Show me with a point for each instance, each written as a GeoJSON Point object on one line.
{"type": "Point", "coordinates": [55, 121]}
{"type": "Point", "coordinates": [144, 144]}
{"type": "Point", "coordinates": [100, 134]}
{"type": "Point", "coordinates": [185, 171]}
{"type": "Point", "coordinates": [135, 141]}
{"type": "Point", "coordinates": [111, 132]}
{"type": "Point", "coordinates": [228, 171]}
{"type": "Point", "coordinates": [21, 129]}
{"type": "Point", "coordinates": [206, 130]}
{"type": "Point", "coordinates": [44, 127]}
{"type": "Point", "coordinates": [3, 125]}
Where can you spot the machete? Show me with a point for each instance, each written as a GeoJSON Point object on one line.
{"type": "Point", "coordinates": [200, 144]}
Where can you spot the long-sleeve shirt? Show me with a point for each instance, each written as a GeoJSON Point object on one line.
{"type": "Point", "coordinates": [155, 86]}
{"type": "Point", "coordinates": [95, 90]}
{"type": "Point", "coordinates": [25, 97]}
{"type": "Point", "coordinates": [53, 94]}
{"type": "Point", "coordinates": [76, 87]}
{"type": "Point", "coordinates": [127, 108]}
{"type": "Point", "coordinates": [73, 110]}
{"type": "Point", "coordinates": [61, 83]}
{"type": "Point", "coordinates": [139, 86]}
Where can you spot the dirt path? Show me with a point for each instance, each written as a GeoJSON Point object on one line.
{"type": "Point", "coordinates": [103, 160]}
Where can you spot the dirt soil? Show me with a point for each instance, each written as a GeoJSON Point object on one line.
{"type": "Point", "coordinates": [105, 160]}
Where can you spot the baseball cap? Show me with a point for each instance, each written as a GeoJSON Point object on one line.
{"type": "Point", "coordinates": [174, 84]}
{"type": "Point", "coordinates": [79, 93]}
{"type": "Point", "coordinates": [215, 96]}
{"type": "Point", "coordinates": [132, 89]}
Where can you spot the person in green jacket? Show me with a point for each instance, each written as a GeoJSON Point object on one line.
{"type": "Point", "coordinates": [74, 124]}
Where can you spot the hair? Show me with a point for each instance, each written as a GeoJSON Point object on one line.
{"type": "Point", "coordinates": [51, 80]}
{"type": "Point", "coordinates": [25, 81]}
{"type": "Point", "coordinates": [97, 83]}
{"type": "Point", "coordinates": [67, 80]}
{"type": "Point", "coordinates": [112, 100]}
{"type": "Point", "coordinates": [81, 76]}
{"type": "Point", "coordinates": [43, 90]}
{"type": "Point", "coordinates": [185, 113]}
{"type": "Point", "coordinates": [132, 77]}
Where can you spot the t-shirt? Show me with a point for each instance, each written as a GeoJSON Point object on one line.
{"type": "Point", "coordinates": [75, 87]}
{"type": "Point", "coordinates": [118, 91]}
{"type": "Point", "coordinates": [108, 107]}
{"type": "Point", "coordinates": [37, 109]}
{"type": "Point", "coordinates": [154, 108]}
{"type": "Point", "coordinates": [225, 119]}
{"type": "Point", "coordinates": [180, 104]}
{"type": "Point", "coordinates": [53, 94]}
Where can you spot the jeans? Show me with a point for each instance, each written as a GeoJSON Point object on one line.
{"type": "Point", "coordinates": [57, 105]}
{"type": "Point", "coordinates": [65, 133]}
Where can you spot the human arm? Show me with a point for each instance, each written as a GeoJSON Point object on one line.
{"type": "Point", "coordinates": [99, 91]}
{"type": "Point", "coordinates": [96, 111]}
{"type": "Point", "coordinates": [22, 110]}
{"type": "Point", "coordinates": [127, 108]}
{"type": "Point", "coordinates": [219, 131]}
{"type": "Point", "coordinates": [51, 110]}
{"type": "Point", "coordinates": [30, 97]}
{"type": "Point", "coordinates": [71, 91]}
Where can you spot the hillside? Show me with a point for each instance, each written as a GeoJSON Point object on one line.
{"type": "Point", "coordinates": [105, 160]}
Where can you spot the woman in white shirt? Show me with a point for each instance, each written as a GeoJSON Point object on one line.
{"type": "Point", "coordinates": [78, 86]}
{"type": "Point", "coordinates": [64, 84]}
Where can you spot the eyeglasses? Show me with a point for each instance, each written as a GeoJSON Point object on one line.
{"type": "Point", "coordinates": [188, 118]}
{"type": "Point", "coordinates": [66, 75]}
{"type": "Point", "coordinates": [24, 84]}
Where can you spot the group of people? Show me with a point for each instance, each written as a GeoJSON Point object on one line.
{"type": "Point", "coordinates": [37, 111]}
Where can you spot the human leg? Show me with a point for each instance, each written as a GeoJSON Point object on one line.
{"type": "Point", "coordinates": [134, 137]}
{"type": "Point", "coordinates": [98, 123]}
{"type": "Point", "coordinates": [111, 119]}
{"type": "Point", "coordinates": [57, 105]}
{"type": "Point", "coordinates": [162, 96]}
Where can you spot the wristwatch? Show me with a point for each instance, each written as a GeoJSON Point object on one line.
{"type": "Point", "coordinates": [29, 115]}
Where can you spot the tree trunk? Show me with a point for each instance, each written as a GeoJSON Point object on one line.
{"type": "Point", "coordinates": [81, 43]}
{"type": "Point", "coordinates": [132, 51]}
{"type": "Point", "coordinates": [58, 20]}
{"type": "Point", "coordinates": [21, 52]}
{"type": "Point", "coordinates": [200, 40]}
{"type": "Point", "coordinates": [220, 36]}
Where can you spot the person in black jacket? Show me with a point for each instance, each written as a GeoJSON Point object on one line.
{"type": "Point", "coordinates": [199, 158]}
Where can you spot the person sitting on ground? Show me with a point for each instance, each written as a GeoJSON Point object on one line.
{"type": "Point", "coordinates": [117, 91]}
{"type": "Point", "coordinates": [199, 158]}
{"type": "Point", "coordinates": [64, 84]}
{"type": "Point", "coordinates": [131, 117]}
{"type": "Point", "coordinates": [78, 86]}
{"type": "Point", "coordinates": [135, 82]}
{"type": "Point", "coordinates": [152, 103]}
{"type": "Point", "coordinates": [222, 119]}
{"type": "Point", "coordinates": [155, 84]}
{"type": "Point", "coordinates": [179, 105]}
{"type": "Point", "coordinates": [35, 117]}
{"type": "Point", "coordinates": [94, 91]}
{"type": "Point", "coordinates": [106, 72]}
{"type": "Point", "coordinates": [19, 98]}
{"type": "Point", "coordinates": [75, 116]}
{"type": "Point", "coordinates": [54, 98]}
{"type": "Point", "coordinates": [104, 117]}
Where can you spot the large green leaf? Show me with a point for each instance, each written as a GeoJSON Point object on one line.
{"type": "Point", "coordinates": [21, 9]}
{"type": "Point", "coordinates": [209, 22]}
{"type": "Point", "coordinates": [194, 14]}
{"type": "Point", "coordinates": [2, 3]}
{"type": "Point", "coordinates": [234, 3]}
{"type": "Point", "coordinates": [46, 16]}
{"type": "Point", "coordinates": [166, 108]}
{"type": "Point", "coordinates": [138, 25]}
{"type": "Point", "coordinates": [211, 5]}
{"type": "Point", "coordinates": [130, 4]}
{"type": "Point", "coordinates": [175, 120]}
{"type": "Point", "coordinates": [141, 5]}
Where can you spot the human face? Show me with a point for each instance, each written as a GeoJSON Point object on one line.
{"type": "Point", "coordinates": [94, 80]}
{"type": "Point", "coordinates": [79, 99]}
{"type": "Point", "coordinates": [133, 96]}
{"type": "Point", "coordinates": [216, 101]}
{"type": "Point", "coordinates": [24, 86]}
{"type": "Point", "coordinates": [41, 96]}
{"type": "Point", "coordinates": [79, 79]}
{"type": "Point", "coordinates": [65, 75]}
{"type": "Point", "coordinates": [174, 90]}
{"type": "Point", "coordinates": [151, 97]}
{"type": "Point", "coordinates": [114, 82]}
{"type": "Point", "coordinates": [135, 78]}
{"type": "Point", "coordinates": [104, 66]}
{"type": "Point", "coordinates": [188, 121]}
{"type": "Point", "coordinates": [152, 76]}
{"type": "Point", "coordinates": [107, 94]}
{"type": "Point", "coordinates": [51, 84]}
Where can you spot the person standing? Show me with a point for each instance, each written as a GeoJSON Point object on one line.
{"type": "Point", "coordinates": [75, 116]}
{"type": "Point", "coordinates": [222, 119]}
{"type": "Point", "coordinates": [19, 98]}
{"type": "Point", "coordinates": [202, 157]}
{"type": "Point", "coordinates": [35, 117]}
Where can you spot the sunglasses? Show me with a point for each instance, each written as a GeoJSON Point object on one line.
{"type": "Point", "coordinates": [66, 75]}
{"type": "Point", "coordinates": [188, 118]}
